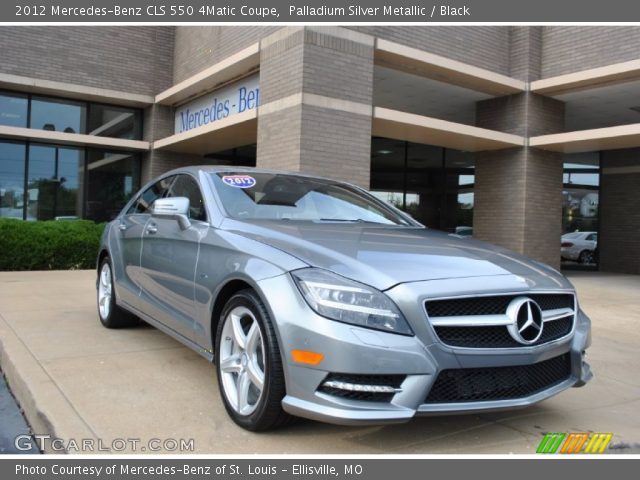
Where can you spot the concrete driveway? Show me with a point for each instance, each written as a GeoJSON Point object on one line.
{"type": "Point", "coordinates": [77, 380]}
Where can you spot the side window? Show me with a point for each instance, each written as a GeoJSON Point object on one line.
{"type": "Point", "coordinates": [185, 186]}
{"type": "Point", "coordinates": [146, 198]}
{"type": "Point", "coordinates": [593, 237]}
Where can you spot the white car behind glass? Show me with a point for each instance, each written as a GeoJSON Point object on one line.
{"type": "Point", "coordinates": [579, 246]}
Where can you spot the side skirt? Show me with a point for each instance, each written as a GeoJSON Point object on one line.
{"type": "Point", "coordinates": [169, 331]}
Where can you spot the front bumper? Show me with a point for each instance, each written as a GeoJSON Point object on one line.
{"type": "Point", "coordinates": [348, 349]}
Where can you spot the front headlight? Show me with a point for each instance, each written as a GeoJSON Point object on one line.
{"type": "Point", "coordinates": [337, 298]}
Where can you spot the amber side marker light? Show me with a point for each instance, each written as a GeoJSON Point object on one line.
{"type": "Point", "coordinates": [310, 358]}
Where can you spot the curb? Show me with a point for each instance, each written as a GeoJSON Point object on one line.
{"type": "Point", "coordinates": [47, 410]}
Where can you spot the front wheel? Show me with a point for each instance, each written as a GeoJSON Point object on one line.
{"type": "Point", "coordinates": [250, 374]}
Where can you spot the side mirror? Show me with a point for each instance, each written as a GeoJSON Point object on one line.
{"type": "Point", "coordinates": [173, 207]}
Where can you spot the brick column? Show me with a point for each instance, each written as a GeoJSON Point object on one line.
{"type": "Point", "coordinates": [158, 122]}
{"type": "Point", "coordinates": [316, 86]}
{"type": "Point", "coordinates": [525, 52]}
{"type": "Point", "coordinates": [518, 192]}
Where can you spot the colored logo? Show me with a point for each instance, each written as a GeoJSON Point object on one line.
{"type": "Point", "coordinates": [526, 320]}
{"type": "Point", "coordinates": [239, 181]}
{"type": "Point", "coordinates": [579, 442]}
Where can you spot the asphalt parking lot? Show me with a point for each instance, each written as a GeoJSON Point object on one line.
{"type": "Point", "coordinates": [77, 380]}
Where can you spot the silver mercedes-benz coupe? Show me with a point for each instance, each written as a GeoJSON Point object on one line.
{"type": "Point", "coordinates": [315, 299]}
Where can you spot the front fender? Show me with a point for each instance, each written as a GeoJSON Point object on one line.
{"type": "Point", "coordinates": [225, 257]}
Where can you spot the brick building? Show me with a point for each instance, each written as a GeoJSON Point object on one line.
{"type": "Point", "coordinates": [516, 134]}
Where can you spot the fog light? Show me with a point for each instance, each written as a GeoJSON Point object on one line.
{"type": "Point", "coordinates": [356, 387]}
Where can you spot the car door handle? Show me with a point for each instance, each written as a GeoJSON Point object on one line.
{"type": "Point", "coordinates": [151, 229]}
{"type": "Point", "coordinates": [122, 227]}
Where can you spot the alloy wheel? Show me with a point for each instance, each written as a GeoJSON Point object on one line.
{"type": "Point", "coordinates": [105, 289]}
{"type": "Point", "coordinates": [242, 360]}
{"type": "Point", "coordinates": [586, 257]}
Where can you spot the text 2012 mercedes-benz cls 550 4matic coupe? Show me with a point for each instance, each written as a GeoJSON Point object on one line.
{"type": "Point", "coordinates": [316, 299]}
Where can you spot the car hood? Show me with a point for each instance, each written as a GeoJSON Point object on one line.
{"type": "Point", "coordinates": [384, 256]}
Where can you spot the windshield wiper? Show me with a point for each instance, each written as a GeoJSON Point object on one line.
{"type": "Point", "coordinates": [349, 220]}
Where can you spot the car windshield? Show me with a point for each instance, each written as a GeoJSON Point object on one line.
{"type": "Point", "coordinates": [275, 196]}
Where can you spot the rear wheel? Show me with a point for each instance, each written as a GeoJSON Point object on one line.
{"type": "Point", "coordinates": [249, 367]}
{"type": "Point", "coordinates": [586, 257]}
{"type": "Point", "coordinates": [110, 314]}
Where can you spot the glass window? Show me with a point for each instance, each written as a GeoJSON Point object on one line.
{"type": "Point", "coordinates": [433, 184]}
{"type": "Point", "coordinates": [387, 178]}
{"type": "Point", "coordinates": [240, 156]}
{"type": "Point", "coordinates": [13, 109]}
{"type": "Point", "coordinates": [54, 189]}
{"type": "Point", "coordinates": [112, 178]}
{"type": "Point", "coordinates": [71, 116]}
{"type": "Point", "coordinates": [290, 197]}
{"type": "Point", "coordinates": [58, 115]}
{"type": "Point", "coordinates": [459, 197]}
{"type": "Point", "coordinates": [185, 186]}
{"type": "Point", "coordinates": [12, 159]}
{"type": "Point", "coordinates": [116, 122]}
{"type": "Point", "coordinates": [145, 200]}
{"type": "Point", "coordinates": [580, 209]}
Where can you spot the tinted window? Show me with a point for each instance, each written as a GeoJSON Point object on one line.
{"type": "Point", "coordinates": [13, 109]}
{"type": "Point", "coordinates": [432, 184]}
{"type": "Point", "coordinates": [290, 197]}
{"type": "Point", "coordinates": [12, 159]}
{"type": "Point", "coordinates": [118, 122]}
{"type": "Point", "coordinates": [58, 115]}
{"type": "Point", "coordinates": [70, 116]}
{"type": "Point", "coordinates": [145, 200]}
{"type": "Point", "coordinates": [112, 179]}
{"type": "Point", "coordinates": [54, 182]}
{"type": "Point", "coordinates": [185, 186]}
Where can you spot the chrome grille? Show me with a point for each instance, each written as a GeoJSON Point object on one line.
{"type": "Point", "coordinates": [481, 322]}
{"type": "Point", "coordinates": [493, 305]}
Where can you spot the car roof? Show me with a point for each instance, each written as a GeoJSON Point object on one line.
{"type": "Point", "coordinates": [578, 233]}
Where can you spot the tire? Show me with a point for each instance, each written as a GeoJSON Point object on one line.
{"type": "Point", "coordinates": [586, 257]}
{"type": "Point", "coordinates": [248, 364]}
{"type": "Point", "coordinates": [110, 314]}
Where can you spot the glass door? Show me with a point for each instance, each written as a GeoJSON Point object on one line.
{"type": "Point", "coordinates": [54, 182]}
{"type": "Point", "coordinates": [580, 210]}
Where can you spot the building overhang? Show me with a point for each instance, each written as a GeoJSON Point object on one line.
{"type": "Point", "coordinates": [610, 138]}
{"type": "Point", "coordinates": [233, 131]}
{"type": "Point", "coordinates": [70, 90]}
{"type": "Point", "coordinates": [231, 68]}
{"type": "Point", "coordinates": [416, 128]}
{"type": "Point", "coordinates": [76, 139]}
{"type": "Point", "coordinates": [586, 79]}
{"type": "Point", "coordinates": [418, 62]}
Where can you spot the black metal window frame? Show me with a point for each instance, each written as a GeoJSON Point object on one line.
{"type": "Point", "coordinates": [139, 129]}
{"type": "Point", "coordinates": [595, 171]}
{"type": "Point", "coordinates": [84, 161]}
{"type": "Point", "coordinates": [443, 171]}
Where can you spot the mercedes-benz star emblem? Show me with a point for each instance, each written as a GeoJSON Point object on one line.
{"type": "Point", "coordinates": [526, 320]}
